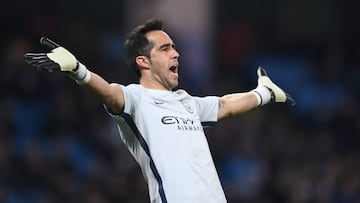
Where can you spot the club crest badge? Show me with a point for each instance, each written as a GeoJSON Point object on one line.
{"type": "Point", "coordinates": [187, 106]}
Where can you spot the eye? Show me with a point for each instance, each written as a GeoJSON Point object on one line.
{"type": "Point", "coordinates": [167, 47]}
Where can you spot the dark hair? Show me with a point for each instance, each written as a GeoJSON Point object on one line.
{"type": "Point", "coordinates": [137, 44]}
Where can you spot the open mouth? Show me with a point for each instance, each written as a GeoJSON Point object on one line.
{"type": "Point", "coordinates": [174, 69]}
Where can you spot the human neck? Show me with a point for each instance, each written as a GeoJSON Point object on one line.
{"type": "Point", "coordinates": [150, 84]}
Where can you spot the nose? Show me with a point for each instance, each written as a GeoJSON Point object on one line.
{"type": "Point", "coordinates": [176, 54]}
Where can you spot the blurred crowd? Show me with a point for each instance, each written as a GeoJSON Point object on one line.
{"type": "Point", "coordinates": [57, 144]}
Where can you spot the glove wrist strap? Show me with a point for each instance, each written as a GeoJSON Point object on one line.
{"type": "Point", "coordinates": [81, 74]}
{"type": "Point", "coordinates": [262, 94]}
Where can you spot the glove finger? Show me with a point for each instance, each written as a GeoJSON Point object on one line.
{"type": "Point", "coordinates": [47, 65]}
{"type": "Point", "coordinates": [261, 72]}
{"type": "Point", "coordinates": [27, 55]}
{"type": "Point", "coordinates": [39, 62]}
{"type": "Point", "coordinates": [290, 100]}
{"type": "Point", "coordinates": [48, 43]}
{"type": "Point", "coordinates": [51, 67]}
{"type": "Point", "coordinates": [38, 66]}
{"type": "Point", "coordinates": [34, 60]}
{"type": "Point", "coordinates": [31, 61]}
{"type": "Point", "coordinates": [34, 56]}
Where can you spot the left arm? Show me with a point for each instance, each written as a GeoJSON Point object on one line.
{"type": "Point", "coordinates": [265, 92]}
{"type": "Point", "coordinates": [236, 103]}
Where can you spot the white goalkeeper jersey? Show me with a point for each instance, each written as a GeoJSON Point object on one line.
{"type": "Point", "coordinates": [164, 132]}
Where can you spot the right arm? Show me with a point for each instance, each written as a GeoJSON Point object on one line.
{"type": "Point", "coordinates": [61, 60]}
{"type": "Point", "coordinates": [109, 94]}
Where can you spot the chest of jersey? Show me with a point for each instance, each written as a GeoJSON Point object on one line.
{"type": "Point", "coordinates": [169, 116]}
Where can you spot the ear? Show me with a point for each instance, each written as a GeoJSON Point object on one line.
{"type": "Point", "coordinates": [143, 62]}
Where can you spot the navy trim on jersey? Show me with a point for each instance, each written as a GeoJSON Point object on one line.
{"type": "Point", "coordinates": [208, 123]}
{"type": "Point", "coordinates": [144, 145]}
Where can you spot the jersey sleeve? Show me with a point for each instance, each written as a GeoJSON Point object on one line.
{"type": "Point", "coordinates": [129, 101]}
{"type": "Point", "coordinates": [207, 108]}
{"type": "Point", "coordinates": [130, 93]}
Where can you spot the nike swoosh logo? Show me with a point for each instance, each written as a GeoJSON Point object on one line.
{"type": "Point", "coordinates": [157, 102]}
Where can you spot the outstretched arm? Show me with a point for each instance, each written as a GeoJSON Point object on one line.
{"type": "Point", "coordinates": [61, 60]}
{"type": "Point", "coordinates": [265, 92]}
{"type": "Point", "coordinates": [236, 103]}
{"type": "Point", "coordinates": [109, 94]}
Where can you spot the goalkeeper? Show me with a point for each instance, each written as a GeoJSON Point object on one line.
{"type": "Point", "coordinates": [162, 127]}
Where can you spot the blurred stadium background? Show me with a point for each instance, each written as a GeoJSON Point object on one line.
{"type": "Point", "coordinates": [57, 144]}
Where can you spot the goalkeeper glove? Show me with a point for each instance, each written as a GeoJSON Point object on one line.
{"type": "Point", "coordinates": [59, 59]}
{"type": "Point", "coordinates": [269, 92]}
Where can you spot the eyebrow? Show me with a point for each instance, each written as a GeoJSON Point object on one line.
{"type": "Point", "coordinates": [167, 45]}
